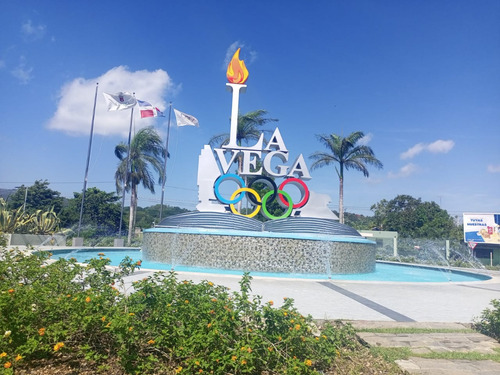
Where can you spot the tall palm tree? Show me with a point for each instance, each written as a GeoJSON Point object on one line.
{"type": "Point", "coordinates": [249, 125]}
{"type": "Point", "coordinates": [344, 153]}
{"type": "Point", "coordinates": [146, 152]}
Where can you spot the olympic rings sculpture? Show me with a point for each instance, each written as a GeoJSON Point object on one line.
{"type": "Point", "coordinates": [285, 200]}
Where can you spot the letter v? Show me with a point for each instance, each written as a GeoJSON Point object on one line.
{"type": "Point", "coordinates": [222, 158]}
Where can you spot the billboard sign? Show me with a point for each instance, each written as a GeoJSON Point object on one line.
{"type": "Point", "coordinates": [482, 228]}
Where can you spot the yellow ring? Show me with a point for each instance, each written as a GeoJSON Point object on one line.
{"type": "Point", "coordinates": [251, 191]}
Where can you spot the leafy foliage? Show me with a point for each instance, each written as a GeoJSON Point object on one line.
{"type": "Point", "coordinates": [489, 321]}
{"type": "Point", "coordinates": [411, 217]}
{"type": "Point", "coordinates": [146, 152]}
{"type": "Point", "coordinates": [17, 221]}
{"type": "Point", "coordinates": [39, 197]}
{"type": "Point", "coordinates": [50, 309]}
{"type": "Point", "coordinates": [100, 209]}
{"type": "Point", "coordinates": [344, 153]}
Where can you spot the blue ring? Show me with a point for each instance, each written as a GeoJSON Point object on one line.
{"type": "Point", "coordinates": [232, 177]}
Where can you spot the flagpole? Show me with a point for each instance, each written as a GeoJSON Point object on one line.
{"type": "Point", "coordinates": [125, 180]}
{"type": "Point", "coordinates": [165, 165]}
{"type": "Point", "coordinates": [88, 160]}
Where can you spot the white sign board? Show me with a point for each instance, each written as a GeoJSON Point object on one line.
{"type": "Point", "coordinates": [482, 228]}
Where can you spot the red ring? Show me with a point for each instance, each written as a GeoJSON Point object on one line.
{"type": "Point", "coordinates": [306, 192]}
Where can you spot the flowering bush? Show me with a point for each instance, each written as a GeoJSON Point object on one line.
{"type": "Point", "coordinates": [49, 309]}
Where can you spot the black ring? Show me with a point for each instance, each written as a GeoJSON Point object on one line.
{"type": "Point", "coordinates": [267, 181]}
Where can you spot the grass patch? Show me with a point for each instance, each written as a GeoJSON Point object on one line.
{"type": "Point", "coordinates": [414, 330]}
{"type": "Point", "coordinates": [391, 354]}
{"type": "Point", "coordinates": [394, 354]}
{"type": "Point", "coordinates": [470, 356]}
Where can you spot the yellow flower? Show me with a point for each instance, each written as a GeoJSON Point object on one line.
{"type": "Point", "coordinates": [186, 301]}
{"type": "Point", "coordinates": [41, 331]}
{"type": "Point", "coordinates": [209, 325]}
{"type": "Point", "coordinates": [214, 299]}
{"type": "Point", "coordinates": [210, 283]}
{"type": "Point", "coordinates": [271, 303]}
{"type": "Point", "coordinates": [151, 342]}
{"type": "Point", "coordinates": [130, 328]}
{"type": "Point", "coordinates": [186, 282]}
{"type": "Point", "coordinates": [243, 362]}
{"type": "Point", "coordinates": [270, 349]}
{"type": "Point", "coordinates": [11, 291]}
{"type": "Point", "coordinates": [308, 362]}
{"type": "Point", "coordinates": [68, 295]}
{"type": "Point", "coordinates": [243, 348]}
{"type": "Point", "coordinates": [285, 313]}
{"type": "Point", "coordinates": [297, 327]}
{"type": "Point", "coordinates": [58, 346]}
{"type": "Point", "coordinates": [108, 325]}
{"type": "Point", "coordinates": [131, 314]}
{"type": "Point", "coordinates": [87, 299]}
{"type": "Point", "coordinates": [200, 370]}
{"type": "Point", "coordinates": [7, 334]}
{"type": "Point", "coordinates": [101, 254]}
{"type": "Point", "coordinates": [233, 358]}
{"type": "Point", "coordinates": [103, 318]}
{"type": "Point", "coordinates": [19, 357]}
{"type": "Point", "coordinates": [197, 363]}
{"type": "Point", "coordinates": [3, 355]}
{"type": "Point", "coordinates": [7, 365]}
{"type": "Point", "coordinates": [178, 369]}
{"type": "Point", "coordinates": [249, 350]}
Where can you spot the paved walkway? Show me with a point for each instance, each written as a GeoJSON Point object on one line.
{"type": "Point", "coordinates": [448, 340]}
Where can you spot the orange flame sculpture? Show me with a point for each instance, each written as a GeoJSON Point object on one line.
{"type": "Point", "coordinates": [236, 70]}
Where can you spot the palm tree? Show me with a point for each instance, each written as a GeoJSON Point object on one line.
{"type": "Point", "coordinates": [248, 130]}
{"type": "Point", "coordinates": [345, 154]}
{"type": "Point", "coordinates": [147, 152]}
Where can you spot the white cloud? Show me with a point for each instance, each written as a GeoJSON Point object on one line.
{"type": "Point", "coordinates": [413, 151]}
{"type": "Point", "coordinates": [74, 109]}
{"type": "Point", "coordinates": [405, 171]}
{"type": "Point", "coordinates": [366, 139]}
{"type": "Point", "coordinates": [438, 147]}
{"type": "Point", "coordinates": [22, 72]}
{"type": "Point", "coordinates": [492, 168]}
{"type": "Point", "coordinates": [33, 32]}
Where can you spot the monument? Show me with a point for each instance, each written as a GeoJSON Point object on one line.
{"type": "Point", "coordinates": [305, 237]}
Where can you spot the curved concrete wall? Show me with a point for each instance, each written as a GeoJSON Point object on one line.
{"type": "Point", "coordinates": [263, 252]}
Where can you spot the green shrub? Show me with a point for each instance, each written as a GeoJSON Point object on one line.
{"type": "Point", "coordinates": [53, 308]}
{"type": "Point", "coordinates": [489, 321]}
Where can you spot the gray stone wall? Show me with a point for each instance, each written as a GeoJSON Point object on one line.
{"type": "Point", "coordinates": [259, 253]}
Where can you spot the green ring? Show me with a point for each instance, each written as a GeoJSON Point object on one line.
{"type": "Point", "coordinates": [266, 212]}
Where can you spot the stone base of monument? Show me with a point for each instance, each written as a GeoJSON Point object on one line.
{"type": "Point", "coordinates": [226, 242]}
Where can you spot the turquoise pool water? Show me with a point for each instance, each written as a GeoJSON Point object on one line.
{"type": "Point", "coordinates": [383, 271]}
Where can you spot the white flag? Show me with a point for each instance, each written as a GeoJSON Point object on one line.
{"type": "Point", "coordinates": [184, 119]}
{"type": "Point", "coordinates": [119, 101]}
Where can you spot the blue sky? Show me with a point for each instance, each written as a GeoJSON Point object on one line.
{"type": "Point", "coordinates": [420, 78]}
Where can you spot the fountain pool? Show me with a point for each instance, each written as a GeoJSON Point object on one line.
{"type": "Point", "coordinates": [384, 271]}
